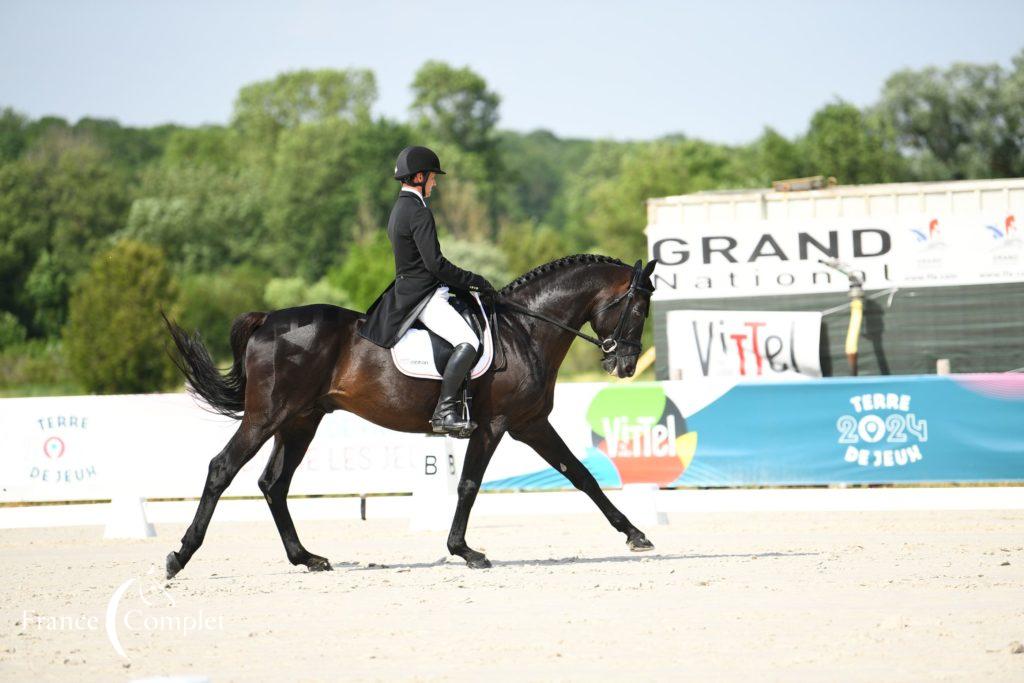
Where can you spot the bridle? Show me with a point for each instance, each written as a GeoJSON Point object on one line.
{"type": "Point", "coordinates": [612, 343]}
{"type": "Point", "coordinates": [615, 342]}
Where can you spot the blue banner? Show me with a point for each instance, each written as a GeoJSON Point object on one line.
{"type": "Point", "coordinates": [868, 430]}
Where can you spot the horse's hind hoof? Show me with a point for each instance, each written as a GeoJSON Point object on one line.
{"type": "Point", "coordinates": [318, 564]}
{"type": "Point", "coordinates": [638, 543]}
{"type": "Point", "coordinates": [173, 565]}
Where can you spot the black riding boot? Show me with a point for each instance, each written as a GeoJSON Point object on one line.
{"type": "Point", "coordinates": [447, 417]}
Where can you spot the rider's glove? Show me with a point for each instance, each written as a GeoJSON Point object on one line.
{"type": "Point", "coordinates": [481, 284]}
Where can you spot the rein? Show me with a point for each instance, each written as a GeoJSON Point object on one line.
{"type": "Point", "coordinates": [540, 316]}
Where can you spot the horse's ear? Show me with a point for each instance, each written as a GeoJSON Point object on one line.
{"type": "Point", "coordinates": [649, 268]}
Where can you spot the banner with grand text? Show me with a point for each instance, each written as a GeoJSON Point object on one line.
{"type": "Point", "coordinates": [767, 258]}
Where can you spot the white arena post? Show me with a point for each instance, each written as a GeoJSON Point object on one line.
{"type": "Point", "coordinates": [434, 492]}
{"type": "Point", "coordinates": [126, 518]}
{"type": "Point", "coordinates": [126, 514]}
{"type": "Point", "coordinates": [640, 503]}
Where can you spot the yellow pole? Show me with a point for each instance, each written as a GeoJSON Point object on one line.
{"type": "Point", "coordinates": [853, 333]}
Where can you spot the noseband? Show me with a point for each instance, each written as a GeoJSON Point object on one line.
{"type": "Point", "coordinates": [610, 344]}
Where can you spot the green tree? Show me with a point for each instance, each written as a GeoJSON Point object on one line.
{"type": "Point", "coordinates": [461, 211]}
{"type": "Point", "coordinates": [87, 200]}
{"type": "Point", "coordinates": [36, 367]}
{"type": "Point", "coordinates": [368, 267]}
{"type": "Point", "coordinates": [264, 109]}
{"type": "Point", "coordinates": [57, 206]}
{"type": "Point", "coordinates": [614, 187]}
{"type": "Point", "coordinates": [527, 246]}
{"type": "Point", "coordinates": [1011, 97]}
{"type": "Point", "coordinates": [126, 147]}
{"type": "Point", "coordinates": [202, 217]}
{"type": "Point", "coordinates": [960, 122]}
{"type": "Point", "coordinates": [483, 258]}
{"type": "Point", "coordinates": [286, 292]}
{"type": "Point", "coordinates": [47, 287]}
{"type": "Point", "coordinates": [207, 146]}
{"type": "Point", "coordinates": [774, 157]}
{"type": "Point", "coordinates": [602, 165]}
{"type": "Point", "coordinates": [332, 186]}
{"type": "Point", "coordinates": [115, 338]}
{"type": "Point", "coordinates": [13, 136]}
{"type": "Point", "coordinates": [536, 167]}
{"type": "Point", "coordinates": [455, 112]}
{"type": "Point", "coordinates": [454, 106]}
{"type": "Point", "coordinates": [25, 226]}
{"type": "Point", "coordinates": [47, 126]}
{"type": "Point", "coordinates": [842, 142]}
{"type": "Point", "coordinates": [209, 302]}
{"type": "Point", "coordinates": [12, 332]}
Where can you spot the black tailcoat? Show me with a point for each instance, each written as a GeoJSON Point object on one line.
{"type": "Point", "coordinates": [419, 270]}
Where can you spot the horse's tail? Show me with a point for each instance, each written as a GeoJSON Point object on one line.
{"type": "Point", "coordinates": [224, 393]}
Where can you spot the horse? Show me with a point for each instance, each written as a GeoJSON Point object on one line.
{"type": "Point", "coordinates": [293, 366]}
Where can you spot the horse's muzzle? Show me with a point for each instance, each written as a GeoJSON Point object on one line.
{"type": "Point", "coordinates": [620, 366]}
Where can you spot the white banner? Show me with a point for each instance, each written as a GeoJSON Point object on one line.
{"type": "Point", "coordinates": [766, 258]}
{"type": "Point", "coordinates": [160, 445]}
{"type": "Point", "coordinates": [934, 251]}
{"type": "Point", "coordinates": [743, 344]}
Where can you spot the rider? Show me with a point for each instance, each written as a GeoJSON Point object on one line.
{"type": "Point", "coordinates": [420, 289]}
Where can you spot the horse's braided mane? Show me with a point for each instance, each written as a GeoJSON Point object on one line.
{"type": "Point", "coordinates": [556, 265]}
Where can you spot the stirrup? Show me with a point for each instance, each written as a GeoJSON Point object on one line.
{"type": "Point", "coordinates": [456, 421]}
{"type": "Point", "coordinates": [458, 429]}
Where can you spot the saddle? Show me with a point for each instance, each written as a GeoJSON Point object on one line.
{"type": "Point", "coordinates": [423, 354]}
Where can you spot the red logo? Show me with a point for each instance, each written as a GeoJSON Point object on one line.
{"type": "Point", "coordinates": [53, 447]}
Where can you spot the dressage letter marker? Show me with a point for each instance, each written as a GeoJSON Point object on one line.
{"type": "Point", "coordinates": [435, 492]}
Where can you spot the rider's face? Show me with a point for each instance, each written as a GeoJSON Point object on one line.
{"type": "Point", "coordinates": [431, 182]}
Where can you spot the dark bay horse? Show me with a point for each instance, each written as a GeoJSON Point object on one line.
{"type": "Point", "coordinates": [293, 366]}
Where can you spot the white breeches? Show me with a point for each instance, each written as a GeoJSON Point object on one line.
{"type": "Point", "coordinates": [445, 321]}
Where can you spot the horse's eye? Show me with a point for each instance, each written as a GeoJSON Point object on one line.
{"type": "Point", "coordinates": [636, 311]}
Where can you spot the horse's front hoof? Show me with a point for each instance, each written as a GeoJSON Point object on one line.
{"type": "Point", "coordinates": [475, 560]}
{"type": "Point", "coordinates": [638, 543]}
{"type": "Point", "coordinates": [318, 564]}
{"type": "Point", "coordinates": [172, 565]}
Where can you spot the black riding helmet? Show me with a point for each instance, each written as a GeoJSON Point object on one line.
{"type": "Point", "coordinates": [413, 160]}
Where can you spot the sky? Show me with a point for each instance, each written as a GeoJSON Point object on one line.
{"type": "Point", "coordinates": [719, 71]}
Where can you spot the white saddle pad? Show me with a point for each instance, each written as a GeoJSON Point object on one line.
{"type": "Point", "coordinates": [414, 356]}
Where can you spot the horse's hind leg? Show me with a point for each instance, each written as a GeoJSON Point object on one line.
{"type": "Point", "coordinates": [290, 446]}
{"type": "Point", "coordinates": [543, 438]}
{"type": "Point", "coordinates": [223, 468]}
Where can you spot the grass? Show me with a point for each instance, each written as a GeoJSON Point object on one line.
{"type": "Point", "coordinates": [32, 390]}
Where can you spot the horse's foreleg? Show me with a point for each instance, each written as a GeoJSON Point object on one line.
{"type": "Point", "coordinates": [543, 438]}
{"type": "Point", "coordinates": [478, 453]}
{"type": "Point", "coordinates": [223, 468]}
{"type": "Point", "coordinates": [290, 447]}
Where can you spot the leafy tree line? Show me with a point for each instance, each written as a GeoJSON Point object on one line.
{"type": "Point", "coordinates": [285, 204]}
